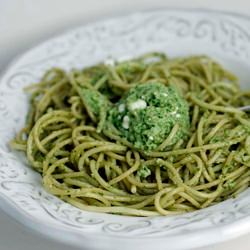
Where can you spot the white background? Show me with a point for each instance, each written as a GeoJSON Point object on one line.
{"type": "Point", "coordinates": [24, 23]}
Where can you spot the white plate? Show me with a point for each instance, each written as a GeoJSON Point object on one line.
{"type": "Point", "coordinates": [223, 36]}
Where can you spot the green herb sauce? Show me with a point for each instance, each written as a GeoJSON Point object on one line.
{"type": "Point", "coordinates": [148, 112]}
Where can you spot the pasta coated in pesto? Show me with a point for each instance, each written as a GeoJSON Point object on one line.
{"type": "Point", "coordinates": [144, 137]}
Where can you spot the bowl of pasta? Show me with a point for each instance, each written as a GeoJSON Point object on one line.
{"type": "Point", "coordinates": [131, 132]}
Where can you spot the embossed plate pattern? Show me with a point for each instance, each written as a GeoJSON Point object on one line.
{"type": "Point", "coordinates": [176, 32]}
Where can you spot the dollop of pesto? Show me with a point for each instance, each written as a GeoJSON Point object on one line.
{"type": "Point", "coordinates": [96, 105]}
{"type": "Point", "coordinates": [94, 100]}
{"type": "Point", "coordinates": [146, 114]}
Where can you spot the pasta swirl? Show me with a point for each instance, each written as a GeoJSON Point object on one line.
{"type": "Point", "coordinates": [91, 165]}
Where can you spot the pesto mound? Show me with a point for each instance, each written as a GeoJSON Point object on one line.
{"type": "Point", "coordinates": [147, 113]}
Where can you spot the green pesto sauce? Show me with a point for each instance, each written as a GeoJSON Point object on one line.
{"type": "Point", "coordinates": [144, 171]}
{"type": "Point", "coordinates": [94, 100]}
{"type": "Point", "coordinates": [146, 114]}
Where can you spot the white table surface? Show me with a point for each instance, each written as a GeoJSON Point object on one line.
{"type": "Point", "coordinates": [24, 23]}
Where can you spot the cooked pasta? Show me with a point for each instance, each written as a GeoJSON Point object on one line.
{"type": "Point", "coordinates": [91, 135]}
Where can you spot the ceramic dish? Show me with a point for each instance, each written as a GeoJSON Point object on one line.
{"type": "Point", "coordinates": [224, 36]}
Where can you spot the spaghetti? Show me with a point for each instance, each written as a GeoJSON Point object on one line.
{"type": "Point", "coordinates": [85, 160]}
